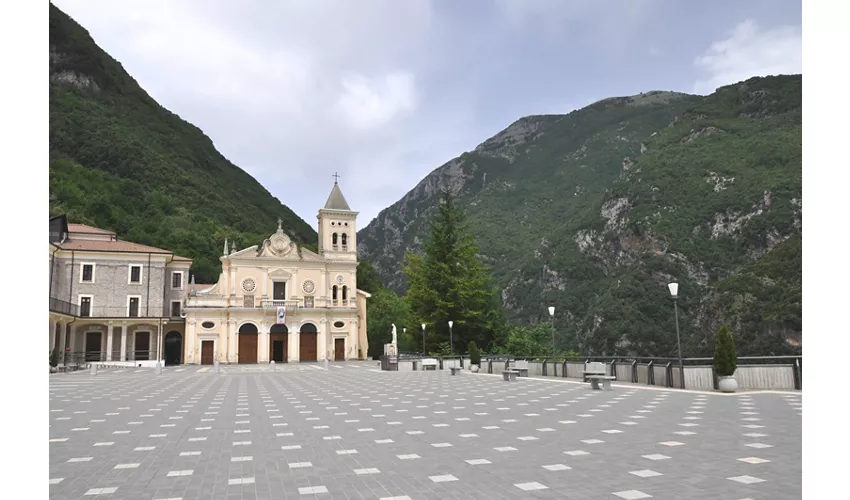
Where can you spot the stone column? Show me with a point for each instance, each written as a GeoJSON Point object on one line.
{"type": "Point", "coordinates": [72, 343]}
{"type": "Point", "coordinates": [62, 343]}
{"type": "Point", "coordinates": [123, 342]}
{"type": "Point", "coordinates": [109, 333]}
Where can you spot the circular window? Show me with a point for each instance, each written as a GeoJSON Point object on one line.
{"type": "Point", "coordinates": [249, 285]}
{"type": "Point", "coordinates": [308, 286]}
{"type": "Point", "coordinates": [339, 324]}
{"type": "Point", "coordinates": [208, 324]}
{"type": "Point", "coordinates": [346, 223]}
{"type": "Point", "coordinates": [340, 278]}
{"type": "Point", "coordinates": [333, 223]}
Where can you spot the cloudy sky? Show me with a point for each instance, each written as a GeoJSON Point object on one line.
{"type": "Point", "coordinates": [385, 91]}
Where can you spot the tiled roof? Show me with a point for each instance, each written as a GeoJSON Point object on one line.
{"type": "Point", "coordinates": [82, 228]}
{"type": "Point", "coordinates": [187, 259]}
{"type": "Point", "coordinates": [110, 246]}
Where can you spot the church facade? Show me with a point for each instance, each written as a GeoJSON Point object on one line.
{"type": "Point", "coordinates": [283, 303]}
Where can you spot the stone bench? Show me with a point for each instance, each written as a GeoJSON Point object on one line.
{"type": "Point", "coordinates": [594, 368]}
{"type": "Point", "coordinates": [605, 379]}
{"type": "Point", "coordinates": [455, 370]}
{"type": "Point", "coordinates": [429, 364]}
{"type": "Point", "coordinates": [510, 375]}
{"type": "Point", "coordinates": [521, 367]}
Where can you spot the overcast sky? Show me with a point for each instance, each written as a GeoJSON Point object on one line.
{"type": "Point", "coordinates": [385, 91]}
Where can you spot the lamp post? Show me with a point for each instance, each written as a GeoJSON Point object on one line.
{"type": "Point", "coordinates": [674, 293]}
{"type": "Point", "coordinates": [423, 339]}
{"type": "Point", "coordinates": [451, 339]}
{"type": "Point", "coordinates": [552, 319]}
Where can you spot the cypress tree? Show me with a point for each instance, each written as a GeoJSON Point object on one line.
{"type": "Point", "coordinates": [449, 282]}
{"type": "Point", "coordinates": [725, 357]}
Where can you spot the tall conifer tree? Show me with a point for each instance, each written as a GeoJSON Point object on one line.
{"type": "Point", "coordinates": [449, 282]}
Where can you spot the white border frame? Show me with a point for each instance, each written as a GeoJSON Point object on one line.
{"type": "Point", "coordinates": [93, 272]}
{"type": "Point", "coordinates": [80, 297]}
{"type": "Point", "coordinates": [130, 274]}
{"type": "Point", "coordinates": [171, 278]}
{"type": "Point", "coordinates": [139, 312]}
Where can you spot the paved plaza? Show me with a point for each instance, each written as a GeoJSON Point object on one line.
{"type": "Point", "coordinates": [353, 432]}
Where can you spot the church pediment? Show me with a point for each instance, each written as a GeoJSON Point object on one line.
{"type": "Point", "coordinates": [279, 245]}
{"type": "Point", "coordinates": [280, 273]}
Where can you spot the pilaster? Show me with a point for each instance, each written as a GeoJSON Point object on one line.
{"type": "Point", "coordinates": [189, 346]}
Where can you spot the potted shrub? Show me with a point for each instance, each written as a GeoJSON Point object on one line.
{"type": "Point", "coordinates": [725, 361]}
{"type": "Point", "coordinates": [54, 359]}
{"type": "Point", "coordinates": [474, 357]}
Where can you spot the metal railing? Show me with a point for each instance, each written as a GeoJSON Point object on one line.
{"type": "Point", "coordinates": [656, 371]}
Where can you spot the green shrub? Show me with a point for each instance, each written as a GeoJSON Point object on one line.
{"type": "Point", "coordinates": [725, 357]}
{"type": "Point", "coordinates": [54, 356]}
{"type": "Point", "coordinates": [474, 353]}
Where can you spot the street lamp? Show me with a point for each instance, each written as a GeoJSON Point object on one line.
{"type": "Point", "coordinates": [674, 292]}
{"type": "Point", "coordinates": [552, 318]}
{"type": "Point", "coordinates": [451, 339]}
{"type": "Point", "coordinates": [423, 339]}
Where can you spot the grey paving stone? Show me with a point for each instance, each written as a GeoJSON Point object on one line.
{"type": "Point", "coordinates": [282, 420]}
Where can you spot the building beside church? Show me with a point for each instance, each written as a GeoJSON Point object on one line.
{"type": "Point", "coordinates": [122, 302]}
{"type": "Point", "coordinates": [280, 302]}
{"type": "Point", "coordinates": [113, 300]}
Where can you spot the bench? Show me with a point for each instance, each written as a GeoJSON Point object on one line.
{"type": "Point", "coordinates": [455, 370]}
{"type": "Point", "coordinates": [429, 364]}
{"type": "Point", "coordinates": [521, 367]}
{"type": "Point", "coordinates": [606, 382]}
{"type": "Point", "coordinates": [594, 368]}
{"type": "Point", "coordinates": [510, 375]}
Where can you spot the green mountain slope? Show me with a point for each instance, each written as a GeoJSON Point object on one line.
{"type": "Point", "coordinates": [595, 211]}
{"type": "Point", "coordinates": [120, 161]}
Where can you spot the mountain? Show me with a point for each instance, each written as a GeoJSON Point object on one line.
{"type": "Point", "coordinates": [594, 212]}
{"type": "Point", "coordinates": [120, 161]}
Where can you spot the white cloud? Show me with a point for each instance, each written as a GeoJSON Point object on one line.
{"type": "Point", "coordinates": [750, 51]}
{"type": "Point", "coordinates": [374, 102]}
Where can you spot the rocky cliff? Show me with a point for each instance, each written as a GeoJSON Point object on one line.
{"type": "Point", "coordinates": [595, 211]}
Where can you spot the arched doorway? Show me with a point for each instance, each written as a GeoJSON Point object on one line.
{"type": "Point", "coordinates": [248, 335]}
{"type": "Point", "coordinates": [173, 348]}
{"type": "Point", "coordinates": [278, 343]}
{"type": "Point", "coordinates": [308, 342]}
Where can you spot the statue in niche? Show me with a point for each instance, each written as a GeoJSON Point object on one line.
{"type": "Point", "coordinates": [395, 339]}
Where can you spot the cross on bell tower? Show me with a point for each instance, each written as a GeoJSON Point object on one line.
{"type": "Point", "coordinates": [336, 177]}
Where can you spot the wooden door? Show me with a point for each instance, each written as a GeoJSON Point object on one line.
{"type": "Point", "coordinates": [207, 352]}
{"type": "Point", "coordinates": [279, 290]}
{"type": "Point", "coordinates": [248, 347]}
{"type": "Point", "coordinates": [278, 347]}
{"type": "Point", "coordinates": [308, 346]}
{"type": "Point", "coordinates": [93, 346]}
{"type": "Point", "coordinates": [339, 349]}
{"type": "Point", "coordinates": [142, 347]}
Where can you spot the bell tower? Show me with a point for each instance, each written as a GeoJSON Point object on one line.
{"type": "Point", "coordinates": [337, 227]}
